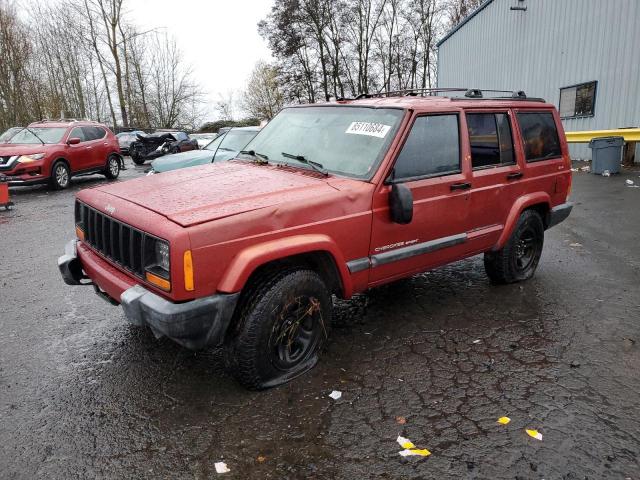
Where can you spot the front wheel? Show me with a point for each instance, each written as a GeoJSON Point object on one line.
{"type": "Point", "coordinates": [112, 169]}
{"type": "Point", "coordinates": [60, 175]}
{"type": "Point", "coordinates": [283, 324]}
{"type": "Point", "coordinates": [519, 258]}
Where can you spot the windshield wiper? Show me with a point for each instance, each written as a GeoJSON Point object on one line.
{"type": "Point", "coordinates": [34, 134]}
{"type": "Point", "coordinates": [259, 158]}
{"type": "Point", "coordinates": [318, 167]}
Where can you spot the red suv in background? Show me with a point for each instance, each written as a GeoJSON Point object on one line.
{"type": "Point", "coordinates": [53, 152]}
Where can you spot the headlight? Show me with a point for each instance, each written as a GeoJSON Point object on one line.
{"type": "Point", "coordinates": [157, 263]}
{"type": "Point", "coordinates": [162, 255]}
{"type": "Point", "coordinates": [31, 158]}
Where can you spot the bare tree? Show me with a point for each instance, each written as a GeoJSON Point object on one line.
{"type": "Point", "coordinates": [262, 98]}
{"type": "Point", "coordinates": [225, 106]}
{"type": "Point", "coordinates": [172, 86]}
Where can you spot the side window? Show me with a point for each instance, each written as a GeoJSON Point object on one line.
{"type": "Point", "coordinates": [539, 135]}
{"type": "Point", "coordinates": [99, 132]}
{"type": "Point", "coordinates": [78, 132]}
{"type": "Point", "coordinates": [89, 133]}
{"type": "Point", "coordinates": [180, 136]}
{"type": "Point", "coordinates": [490, 139]}
{"type": "Point", "coordinates": [431, 149]}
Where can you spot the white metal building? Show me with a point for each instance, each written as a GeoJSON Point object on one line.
{"type": "Point", "coordinates": [581, 55]}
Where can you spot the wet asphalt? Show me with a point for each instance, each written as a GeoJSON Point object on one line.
{"type": "Point", "coordinates": [436, 358]}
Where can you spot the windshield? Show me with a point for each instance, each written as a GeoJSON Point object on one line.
{"type": "Point", "coordinates": [346, 140]}
{"type": "Point", "coordinates": [46, 134]}
{"type": "Point", "coordinates": [9, 133]}
{"type": "Point", "coordinates": [236, 140]}
{"type": "Point", "coordinates": [214, 144]}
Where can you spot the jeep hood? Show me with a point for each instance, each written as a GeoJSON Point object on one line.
{"type": "Point", "coordinates": [200, 194]}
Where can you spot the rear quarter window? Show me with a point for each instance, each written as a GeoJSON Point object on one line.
{"type": "Point", "coordinates": [539, 136]}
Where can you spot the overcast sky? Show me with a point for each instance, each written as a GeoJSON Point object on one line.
{"type": "Point", "coordinates": [219, 38]}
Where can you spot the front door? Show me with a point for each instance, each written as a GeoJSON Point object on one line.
{"type": "Point", "coordinates": [97, 146]}
{"type": "Point", "coordinates": [79, 155]}
{"type": "Point", "coordinates": [430, 165]}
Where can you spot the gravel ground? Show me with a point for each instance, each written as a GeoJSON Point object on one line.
{"type": "Point", "coordinates": [436, 358]}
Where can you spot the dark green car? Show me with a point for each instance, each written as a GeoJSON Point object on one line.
{"type": "Point", "coordinates": [224, 147]}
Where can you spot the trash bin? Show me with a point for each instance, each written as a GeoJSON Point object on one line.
{"type": "Point", "coordinates": [606, 154]}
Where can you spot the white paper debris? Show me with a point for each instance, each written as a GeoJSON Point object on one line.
{"type": "Point", "coordinates": [629, 182]}
{"type": "Point", "coordinates": [606, 173]}
{"type": "Point", "coordinates": [335, 394]}
{"type": "Point", "coordinates": [476, 341]}
{"type": "Point", "coordinates": [221, 467]}
{"type": "Point", "coordinates": [410, 449]}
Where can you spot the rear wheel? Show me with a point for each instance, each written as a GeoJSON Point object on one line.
{"type": "Point", "coordinates": [60, 175]}
{"type": "Point", "coordinates": [519, 258]}
{"type": "Point", "coordinates": [112, 169]}
{"type": "Point", "coordinates": [283, 324]}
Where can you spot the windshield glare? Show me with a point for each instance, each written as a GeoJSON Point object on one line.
{"type": "Point", "coordinates": [346, 140]}
{"type": "Point", "coordinates": [46, 134]}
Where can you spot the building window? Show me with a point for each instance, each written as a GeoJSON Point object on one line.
{"type": "Point", "coordinates": [578, 100]}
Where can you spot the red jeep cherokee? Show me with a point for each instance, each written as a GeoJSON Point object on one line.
{"type": "Point", "coordinates": [326, 199]}
{"type": "Point", "coordinates": [53, 152]}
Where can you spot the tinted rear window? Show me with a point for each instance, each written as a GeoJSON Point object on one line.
{"type": "Point", "coordinates": [539, 135]}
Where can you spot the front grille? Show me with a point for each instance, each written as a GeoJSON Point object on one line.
{"type": "Point", "coordinates": [126, 246]}
{"type": "Point", "coordinates": [5, 162]}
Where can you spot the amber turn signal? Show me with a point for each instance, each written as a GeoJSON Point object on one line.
{"type": "Point", "coordinates": [79, 233]}
{"type": "Point", "coordinates": [188, 271]}
{"type": "Point", "coordinates": [158, 281]}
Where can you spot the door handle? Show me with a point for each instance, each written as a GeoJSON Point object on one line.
{"type": "Point", "coordinates": [460, 186]}
{"type": "Point", "coordinates": [514, 176]}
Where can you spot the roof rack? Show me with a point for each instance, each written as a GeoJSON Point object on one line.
{"type": "Point", "coordinates": [469, 93]}
{"type": "Point", "coordinates": [63, 120]}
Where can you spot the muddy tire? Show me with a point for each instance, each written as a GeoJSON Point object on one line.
{"type": "Point", "coordinates": [283, 323]}
{"type": "Point", "coordinates": [60, 175]}
{"type": "Point", "coordinates": [112, 169]}
{"type": "Point", "coordinates": [519, 258]}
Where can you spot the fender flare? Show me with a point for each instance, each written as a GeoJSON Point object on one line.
{"type": "Point", "coordinates": [521, 204]}
{"type": "Point", "coordinates": [248, 260]}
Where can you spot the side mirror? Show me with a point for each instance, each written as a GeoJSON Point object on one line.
{"type": "Point", "coordinates": [401, 204]}
{"type": "Point", "coordinates": [73, 141]}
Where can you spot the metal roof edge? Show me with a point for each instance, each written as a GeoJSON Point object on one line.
{"type": "Point", "coordinates": [463, 22]}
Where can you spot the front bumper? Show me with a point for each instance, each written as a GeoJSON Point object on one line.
{"type": "Point", "coordinates": [559, 214]}
{"type": "Point", "coordinates": [193, 324]}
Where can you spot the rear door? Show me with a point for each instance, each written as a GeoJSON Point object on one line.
{"type": "Point", "coordinates": [496, 173]}
{"type": "Point", "coordinates": [430, 165]}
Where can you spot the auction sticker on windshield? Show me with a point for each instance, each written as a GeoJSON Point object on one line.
{"type": "Point", "coordinates": [368, 128]}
